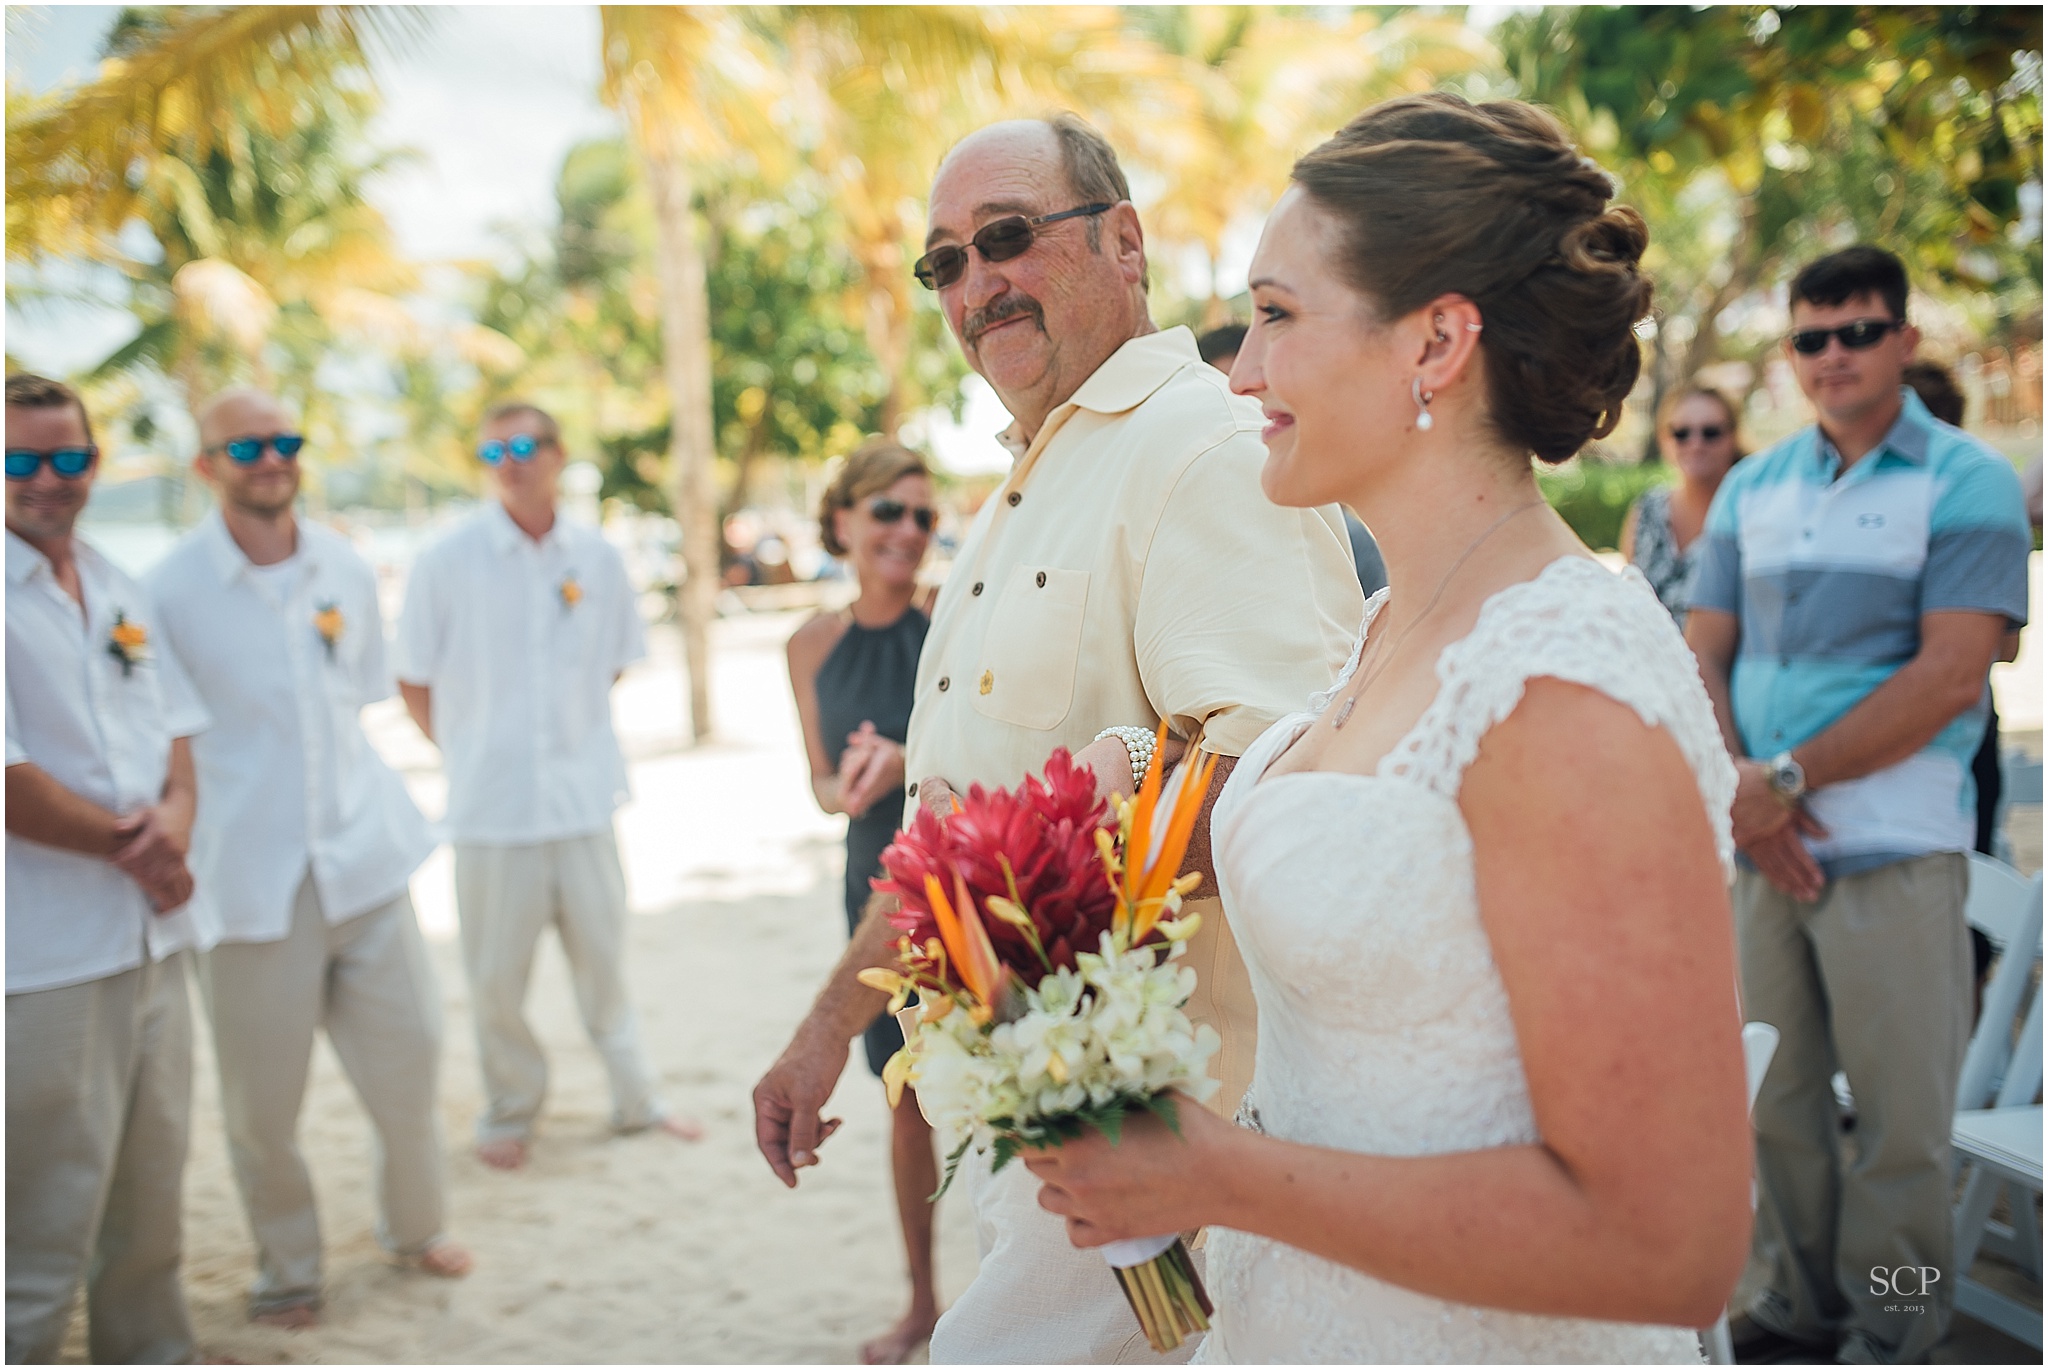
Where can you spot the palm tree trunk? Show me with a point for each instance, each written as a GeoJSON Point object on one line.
{"type": "Point", "coordinates": [686, 365]}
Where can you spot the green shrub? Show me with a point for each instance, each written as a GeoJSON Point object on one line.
{"type": "Point", "coordinates": [1594, 496]}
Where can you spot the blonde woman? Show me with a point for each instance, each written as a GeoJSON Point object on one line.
{"type": "Point", "coordinates": [1696, 433]}
{"type": "Point", "coordinates": [853, 673]}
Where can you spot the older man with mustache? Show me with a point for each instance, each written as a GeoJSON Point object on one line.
{"type": "Point", "coordinates": [1128, 570]}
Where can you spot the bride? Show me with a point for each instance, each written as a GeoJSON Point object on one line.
{"type": "Point", "coordinates": [1498, 1112]}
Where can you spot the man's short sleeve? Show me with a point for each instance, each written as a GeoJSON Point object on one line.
{"type": "Point", "coordinates": [627, 635]}
{"type": "Point", "coordinates": [1716, 579]}
{"type": "Point", "coordinates": [1245, 609]}
{"type": "Point", "coordinates": [1977, 543]}
{"type": "Point", "coordinates": [17, 750]}
{"type": "Point", "coordinates": [373, 667]}
{"type": "Point", "coordinates": [184, 715]}
{"type": "Point", "coordinates": [417, 650]}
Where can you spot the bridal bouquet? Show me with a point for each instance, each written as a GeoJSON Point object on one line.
{"type": "Point", "coordinates": [1041, 940]}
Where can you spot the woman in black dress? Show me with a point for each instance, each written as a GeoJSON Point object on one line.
{"type": "Point", "coordinates": [853, 673]}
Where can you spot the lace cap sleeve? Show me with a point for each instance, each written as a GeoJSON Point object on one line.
{"type": "Point", "coordinates": [1320, 700]}
{"type": "Point", "coordinates": [1582, 623]}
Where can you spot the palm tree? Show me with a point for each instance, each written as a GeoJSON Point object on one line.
{"type": "Point", "coordinates": [1264, 87]}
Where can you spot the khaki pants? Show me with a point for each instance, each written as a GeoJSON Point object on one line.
{"type": "Point", "coordinates": [368, 983]}
{"type": "Point", "coordinates": [1874, 981]}
{"type": "Point", "coordinates": [99, 1104]}
{"type": "Point", "coordinates": [506, 897]}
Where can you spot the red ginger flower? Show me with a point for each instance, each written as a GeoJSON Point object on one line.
{"type": "Point", "coordinates": [1046, 831]}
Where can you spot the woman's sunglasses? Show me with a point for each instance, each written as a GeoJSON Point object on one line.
{"type": "Point", "coordinates": [68, 462]}
{"type": "Point", "coordinates": [998, 241]}
{"type": "Point", "coordinates": [519, 447]}
{"type": "Point", "coordinates": [1708, 432]}
{"type": "Point", "coordinates": [1856, 336]}
{"type": "Point", "coordinates": [892, 511]}
{"type": "Point", "coordinates": [248, 451]}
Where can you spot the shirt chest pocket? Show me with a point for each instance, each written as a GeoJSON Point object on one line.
{"type": "Point", "coordinates": [1026, 673]}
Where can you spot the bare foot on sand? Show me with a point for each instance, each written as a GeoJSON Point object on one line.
{"type": "Point", "coordinates": [448, 1259]}
{"type": "Point", "coordinates": [686, 1129]}
{"type": "Point", "coordinates": [507, 1153]}
{"type": "Point", "coordinates": [895, 1346]}
{"type": "Point", "coordinates": [297, 1318]}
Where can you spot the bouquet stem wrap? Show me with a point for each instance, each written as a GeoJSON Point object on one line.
{"type": "Point", "coordinates": [1159, 1281]}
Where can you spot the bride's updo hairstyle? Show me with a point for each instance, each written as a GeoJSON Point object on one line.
{"type": "Point", "coordinates": [1434, 195]}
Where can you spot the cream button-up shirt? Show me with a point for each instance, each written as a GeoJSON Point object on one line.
{"type": "Point", "coordinates": [1130, 569]}
{"type": "Point", "coordinates": [520, 641]}
{"type": "Point", "coordinates": [287, 780]}
{"type": "Point", "coordinates": [102, 730]}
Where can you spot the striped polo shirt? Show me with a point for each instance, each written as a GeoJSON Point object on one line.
{"type": "Point", "coordinates": [1828, 573]}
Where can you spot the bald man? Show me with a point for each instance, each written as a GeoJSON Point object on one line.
{"type": "Point", "coordinates": [303, 847]}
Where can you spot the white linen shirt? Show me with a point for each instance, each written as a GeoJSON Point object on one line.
{"type": "Point", "coordinates": [521, 674]}
{"type": "Point", "coordinates": [287, 779]}
{"type": "Point", "coordinates": [104, 733]}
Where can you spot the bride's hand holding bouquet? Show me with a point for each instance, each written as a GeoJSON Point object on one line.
{"type": "Point", "coordinates": [1043, 944]}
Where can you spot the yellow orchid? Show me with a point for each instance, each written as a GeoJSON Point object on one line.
{"type": "Point", "coordinates": [572, 593]}
{"type": "Point", "coordinates": [1151, 860]}
{"type": "Point", "coordinates": [329, 623]}
{"type": "Point", "coordinates": [127, 642]}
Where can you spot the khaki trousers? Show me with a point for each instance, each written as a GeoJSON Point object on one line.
{"type": "Point", "coordinates": [368, 983]}
{"type": "Point", "coordinates": [1874, 981]}
{"type": "Point", "coordinates": [506, 897]}
{"type": "Point", "coordinates": [99, 1105]}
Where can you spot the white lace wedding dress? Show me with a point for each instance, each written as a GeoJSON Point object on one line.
{"type": "Point", "coordinates": [1383, 1023]}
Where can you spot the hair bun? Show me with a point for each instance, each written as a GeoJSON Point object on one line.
{"type": "Point", "coordinates": [1434, 195]}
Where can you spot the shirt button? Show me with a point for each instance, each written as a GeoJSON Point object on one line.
{"type": "Point", "coordinates": [977, 588]}
{"type": "Point", "coordinates": [945, 682]}
{"type": "Point", "coordinates": [1016, 498]}
{"type": "Point", "coordinates": [1041, 580]}
{"type": "Point", "coordinates": [912, 790]}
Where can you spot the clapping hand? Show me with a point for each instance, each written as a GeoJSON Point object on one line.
{"type": "Point", "coordinates": [152, 854]}
{"type": "Point", "coordinates": [870, 767]}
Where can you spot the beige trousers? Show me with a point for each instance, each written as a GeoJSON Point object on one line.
{"type": "Point", "coordinates": [368, 983]}
{"type": "Point", "coordinates": [1874, 981]}
{"type": "Point", "coordinates": [506, 897]}
{"type": "Point", "coordinates": [99, 1104]}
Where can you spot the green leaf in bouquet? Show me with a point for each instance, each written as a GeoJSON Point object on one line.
{"type": "Point", "coordinates": [1003, 1152]}
{"type": "Point", "coordinates": [1108, 1120]}
{"type": "Point", "coordinates": [1169, 1112]}
{"type": "Point", "coordinates": [952, 1167]}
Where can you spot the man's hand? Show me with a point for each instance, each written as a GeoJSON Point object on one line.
{"type": "Point", "coordinates": [1758, 812]}
{"type": "Point", "coordinates": [1784, 860]}
{"type": "Point", "coordinates": [935, 794]}
{"type": "Point", "coordinates": [789, 1121]}
{"type": "Point", "coordinates": [152, 851]}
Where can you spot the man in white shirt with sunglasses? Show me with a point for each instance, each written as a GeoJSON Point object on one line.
{"type": "Point", "coordinates": [516, 625]}
{"type": "Point", "coordinates": [303, 849]}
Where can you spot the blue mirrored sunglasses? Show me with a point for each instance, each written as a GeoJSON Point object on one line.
{"type": "Point", "coordinates": [68, 462]}
{"type": "Point", "coordinates": [250, 450]}
{"type": "Point", "coordinates": [519, 447]}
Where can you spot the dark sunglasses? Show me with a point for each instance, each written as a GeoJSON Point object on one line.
{"type": "Point", "coordinates": [997, 241]}
{"type": "Point", "coordinates": [519, 447]}
{"type": "Point", "coordinates": [1856, 336]}
{"type": "Point", "coordinates": [68, 462]}
{"type": "Point", "coordinates": [248, 451]}
{"type": "Point", "coordinates": [892, 510]}
{"type": "Point", "coordinates": [1709, 432]}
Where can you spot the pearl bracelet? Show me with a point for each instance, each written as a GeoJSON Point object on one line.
{"type": "Point", "coordinates": [1138, 744]}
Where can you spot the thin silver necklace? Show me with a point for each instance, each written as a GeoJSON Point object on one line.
{"type": "Point", "coordinates": [1386, 659]}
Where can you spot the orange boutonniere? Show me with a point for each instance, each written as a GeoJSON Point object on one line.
{"type": "Point", "coordinates": [128, 643]}
{"type": "Point", "coordinates": [330, 624]}
{"type": "Point", "coordinates": [572, 593]}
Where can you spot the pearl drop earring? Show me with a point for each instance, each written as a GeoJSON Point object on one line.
{"type": "Point", "coordinates": [1424, 420]}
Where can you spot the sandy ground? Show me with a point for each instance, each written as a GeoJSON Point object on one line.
{"type": "Point", "coordinates": [645, 1249]}
{"type": "Point", "coordinates": [621, 1249]}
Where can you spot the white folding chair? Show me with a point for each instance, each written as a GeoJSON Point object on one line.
{"type": "Point", "coordinates": [1759, 1044]}
{"type": "Point", "coordinates": [2001, 1144]}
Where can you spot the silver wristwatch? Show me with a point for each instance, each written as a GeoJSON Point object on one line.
{"type": "Point", "coordinates": [1787, 778]}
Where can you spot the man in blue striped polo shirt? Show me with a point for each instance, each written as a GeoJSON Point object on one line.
{"type": "Point", "coordinates": [1852, 589]}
